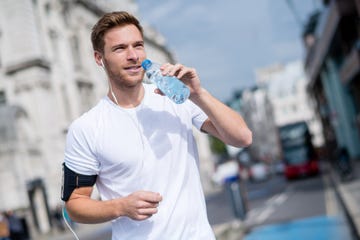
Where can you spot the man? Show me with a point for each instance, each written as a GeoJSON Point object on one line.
{"type": "Point", "coordinates": [138, 146]}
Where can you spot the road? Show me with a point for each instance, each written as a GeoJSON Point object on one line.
{"type": "Point", "coordinates": [278, 204]}
{"type": "Point", "coordinates": [219, 207]}
{"type": "Point", "coordinates": [299, 199]}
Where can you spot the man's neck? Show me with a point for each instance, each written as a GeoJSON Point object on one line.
{"type": "Point", "coordinates": [130, 97]}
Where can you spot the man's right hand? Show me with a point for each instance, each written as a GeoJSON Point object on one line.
{"type": "Point", "coordinates": [141, 205]}
{"type": "Point", "coordinates": [138, 205]}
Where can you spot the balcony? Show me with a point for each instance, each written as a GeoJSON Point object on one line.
{"type": "Point", "coordinates": [325, 32]}
{"type": "Point", "coordinates": [351, 66]}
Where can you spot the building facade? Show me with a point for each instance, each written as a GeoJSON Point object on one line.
{"type": "Point", "coordinates": [261, 119]}
{"type": "Point", "coordinates": [331, 38]}
{"type": "Point", "coordinates": [286, 88]}
{"type": "Point", "coordinates": [48, 77]}
{"type": "Point", "coordinates": [254, 105]}
{"type": "Point", "coordinates": [280, 98]}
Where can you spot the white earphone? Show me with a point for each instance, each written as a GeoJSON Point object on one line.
{"type": "Point", "coordinates": [111, 90]}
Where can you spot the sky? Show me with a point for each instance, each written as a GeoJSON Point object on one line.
{"type": "Point", "coordinates": [226, 41]}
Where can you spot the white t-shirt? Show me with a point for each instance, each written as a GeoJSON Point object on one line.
{"type": "Point", "coordinates": [150, 147]}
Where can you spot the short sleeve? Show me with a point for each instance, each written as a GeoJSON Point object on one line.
{"type": "Point", "coordinates": [80, 154]}
{"type": "Point", "coordinates": [198, 115]}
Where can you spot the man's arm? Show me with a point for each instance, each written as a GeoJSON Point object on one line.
{"type": "Point", "coordinates": [223, 123]}
{"type": "Point", "coordinates": [137, 206]}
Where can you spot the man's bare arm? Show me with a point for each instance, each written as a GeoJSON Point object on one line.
{"type": "Point", "coordinates": [137, 206]}
{"type": "Point", "coordinates": [223, 123]}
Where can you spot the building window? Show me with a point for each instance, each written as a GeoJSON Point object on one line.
{"type": "Point", "coordinates": [2, 98]}
{"type": "Point", "coordinates": [294, 108]}
{"type": "Point", "coordinates": [0, 47]}
{"type": "Point", "coordinates": [53, 35]}
{"type": "Point", "coordinates": [86, 94]}
{"type": "Point", "coordinates": [74, 42]}
{"type": "Point", "coordinates": [47, 8]}
{"type": "Point", "coordinates": [66, 103]}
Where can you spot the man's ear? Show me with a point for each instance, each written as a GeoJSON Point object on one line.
{"type": "Point", "coordinates": [98, 58]}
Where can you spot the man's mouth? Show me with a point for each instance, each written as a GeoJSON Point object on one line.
{"type": "Point", "coordinates": [133, 69]}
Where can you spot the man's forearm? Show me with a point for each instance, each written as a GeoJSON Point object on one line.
{"type": "Point", "coordinates": [87, 210]}
{"type": "Point", "coordinates": [229, 125]}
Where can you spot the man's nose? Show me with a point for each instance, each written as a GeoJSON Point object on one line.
{"type": "Point", "coordinates": [132, 54]}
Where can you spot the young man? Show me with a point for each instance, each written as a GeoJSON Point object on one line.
{"type": "Point", "coordinates": [138, 146]}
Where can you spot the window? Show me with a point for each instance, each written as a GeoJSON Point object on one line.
{"type": "Point", "coordinates": [2, 98]}
{"type": "Point", "coordinates": [294, 108]}
{"type": "Point", "coordinates": [0, 46]}
{"type": "Point", "coordinates": [66, 103]}
{"type": "Point", "coordinates": [86, 94]}
{"type": "Point", "coordinates": [53, 35]}
{"type": "Point", "coordinates": [75, 52]}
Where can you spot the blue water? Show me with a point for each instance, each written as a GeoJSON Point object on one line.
{"type": "Point", "coordinates": [173, 88]}
{"type": "Point", "coordinates": [317, 228]}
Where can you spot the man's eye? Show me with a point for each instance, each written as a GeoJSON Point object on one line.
{"type": "Point", "coordinates": [140, 45]}
{"type": "Point", "coordinates": [119, 48]}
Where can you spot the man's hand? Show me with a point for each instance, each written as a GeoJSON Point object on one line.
{"type": "Point", "coordinates": [137, 206]}
{"type": "Point", "coordinates": [187, 75]}
{"type": "Point", "coordinates": [141, 205]}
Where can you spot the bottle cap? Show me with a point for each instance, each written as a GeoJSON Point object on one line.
{"type": "Point", "coordinates": [146, 64]}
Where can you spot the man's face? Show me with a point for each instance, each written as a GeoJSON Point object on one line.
{"type": "Point", "coordinates": [123, 52]}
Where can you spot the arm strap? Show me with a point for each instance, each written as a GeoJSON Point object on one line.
{"type": "Point", "coordinates": [72, 180]}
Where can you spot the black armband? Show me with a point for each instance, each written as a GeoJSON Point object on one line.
{"type": "Point", "coordinates": [72, 180]}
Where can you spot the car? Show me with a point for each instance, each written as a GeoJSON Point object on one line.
{"type": "Point", "coordinates": [279, 168]}
{"type": "Point", "coordinates": [258, 172]}
{"type": "Point", "coordinates": [302, 169]}
{"type": "Point", "coordinates": [224, 171]}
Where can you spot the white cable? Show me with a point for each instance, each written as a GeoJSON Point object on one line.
{"type": "Point", "coordinates": [134, 122]}
{"type": "Point", "coordinates": [110, 87]}
{"type": "Point", "coordinates": [67, 223]}
{"type": "Point", "coordinates": [128, 114]}
{"type": "Point", "coordinates": [112, 93]}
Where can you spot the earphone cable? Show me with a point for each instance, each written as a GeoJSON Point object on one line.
{"type": "Point", "coordinates": [67, 223]}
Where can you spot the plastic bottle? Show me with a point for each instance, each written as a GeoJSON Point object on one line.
{"type": "Point", "coordinates": [172, 87]}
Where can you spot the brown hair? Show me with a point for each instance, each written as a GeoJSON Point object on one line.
{"type": "Point", "coordinates": [108, 21]}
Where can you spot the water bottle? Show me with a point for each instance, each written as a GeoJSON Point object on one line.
{"type": "Point", "coordinates": [172, 87]}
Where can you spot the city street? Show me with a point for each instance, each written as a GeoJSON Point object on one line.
{"type": "Point", "coordinates": [277, 206]}
{"type": "Point", "coordinates": [274, 95]}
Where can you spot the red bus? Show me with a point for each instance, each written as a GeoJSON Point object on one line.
{"type": "Point", "coordinates": [299, 155]}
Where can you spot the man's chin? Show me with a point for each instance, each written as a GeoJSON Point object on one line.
{"type": "Point", "coordinates": [133, 83]}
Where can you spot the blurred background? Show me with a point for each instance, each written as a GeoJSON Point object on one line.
{"type": "Point", "coordinates": [291, 68]}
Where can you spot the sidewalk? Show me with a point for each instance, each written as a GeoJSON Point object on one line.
{"type": "Point", "coordinates": [227, 231]}
{"type": "Point", "coordinates": [83, 232]}
{"type": "Point", "coordinates": [349, 194]}
{"type": "Point", "coordinates": [234, 230]}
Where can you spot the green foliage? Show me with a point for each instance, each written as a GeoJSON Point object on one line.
{"type": "Point", "coordinates": [217, 146]}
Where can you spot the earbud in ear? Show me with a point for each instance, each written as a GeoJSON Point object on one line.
{"type": "Point", "coordinates": [102, 63]}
